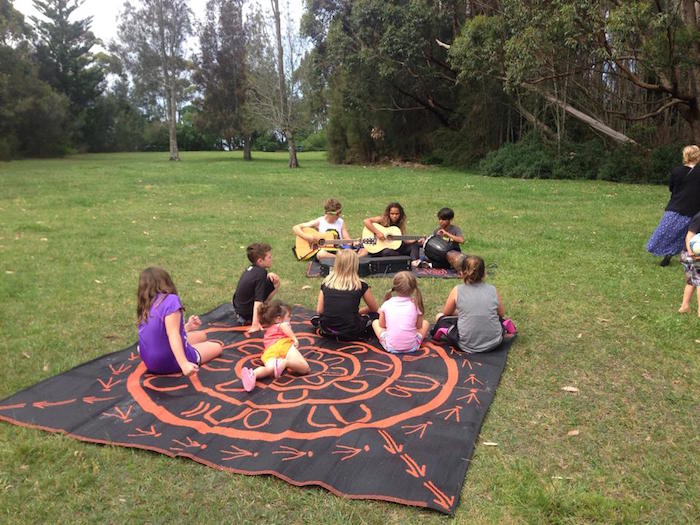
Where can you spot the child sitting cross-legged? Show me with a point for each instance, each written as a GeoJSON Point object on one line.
{"type": "Point", "coordinates": [401, 327]}
{"type": "Point", "coordinates": [281, 346]}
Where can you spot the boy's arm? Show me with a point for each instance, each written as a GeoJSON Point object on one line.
{"type": "Point", "coordinates": [298, 229]}
{"type": "Point", "coordinates": [255, 324]}
{"type": "Point", "coordinates": [457, 237]}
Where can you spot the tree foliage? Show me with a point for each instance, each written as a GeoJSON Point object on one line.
{"type": "Point", "coordinates": [66, 63]}
{"type": "Point", "coordinates": [33, 117]}
{"type": "Point", "coordinates": [152, 38]}
{"type": "Point", "coordinates": [220, 72]}
{"type": "Point", "coordinates": [453, 79]}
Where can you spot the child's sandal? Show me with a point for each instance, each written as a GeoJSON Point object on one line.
{"type": "Point", "coordinates": [247, 378]}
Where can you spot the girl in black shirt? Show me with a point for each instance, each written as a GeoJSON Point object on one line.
{"type": "Point", "coordinates": [338, 304]}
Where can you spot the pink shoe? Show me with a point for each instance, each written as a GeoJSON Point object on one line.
{"type": "Point", "coordinates": [247, 378]}
{"type": "Point", "coordinates": [440, 333]}
{"type": "Point", "coordinates": [509, 326]}
{"type": "Point", "coordinates": [277, 368]}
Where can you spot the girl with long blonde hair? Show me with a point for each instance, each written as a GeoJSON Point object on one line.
{"type": "Point", "coordinates": [339, 299]}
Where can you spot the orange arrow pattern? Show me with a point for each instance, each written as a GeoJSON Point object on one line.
{"type": "Point", "coordinates": [93, 399]}
{"type": "Point", "coordinates": [46, 404]}
{"type": "Point", "coordinates": [111, 383]}
{"type": "Point", "coordinates": [190, 443]}
{"type": "Point", "coordinates": [12, 407]}
{"type": "Point", "coordinates": [142, 433]}
{"type": "Point", "coordinates": [455, 411]}
{"type": "Point", "coordinates": [237, 453]}
{"type": "Point", "coordinates": [440, 497]}
{"type": "Point", "coordinates": [471, 396]}
{"type": "Point", "coordinates": [416, 428]}
{"type": "Point", "coordinates": [349, 452]}
{"type": "Point", "coordinates": [292, 453]}
{"type": "Point", "coordinates": [120, 414]}
{"type": "Point", "coordinates": [122, 368]}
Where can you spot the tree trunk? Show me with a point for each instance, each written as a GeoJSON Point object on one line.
{"type": "Point", "coordinates": [246, 149]}
{"type": "Point", "coordinates": [172, 128]}
{"type": "Point", "coordinates": [293, 162]}
{"type": "Point", "coordinates": [580, 115]}
{"type": "Point", "coordinates": [284, 103]}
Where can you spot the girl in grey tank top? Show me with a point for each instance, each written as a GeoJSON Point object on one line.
{"type": "Point", "coordinates": [479, 309]}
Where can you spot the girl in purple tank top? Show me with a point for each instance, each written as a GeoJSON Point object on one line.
{"type": "Point", "coordinates": [166, 344]}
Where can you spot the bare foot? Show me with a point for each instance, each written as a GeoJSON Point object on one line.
{"type": "Point", "coordinates": [684, 309]}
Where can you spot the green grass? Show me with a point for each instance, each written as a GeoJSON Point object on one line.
{"type": "Point", "coordinates": [595, 311]}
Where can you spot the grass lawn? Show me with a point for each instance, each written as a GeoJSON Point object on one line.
{"type": "Point", "coordinates": [595, 311]}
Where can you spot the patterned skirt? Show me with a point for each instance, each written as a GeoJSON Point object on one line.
{"type": "Point", "coordinates": [669, 236]}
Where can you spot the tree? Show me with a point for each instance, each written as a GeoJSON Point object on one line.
{"type": "Point", "coordinates": [32, 115]}
{"type": "Point", "coordinates": [285, 116]}
{"type": "Point", "coordinates": [221, 73]}
{"type": "Point", "coordinates": [66, 63]}
{"type": "Point", "coordinates": [608, 64]}
{"type": "Point", "coordinates": [152, 40]}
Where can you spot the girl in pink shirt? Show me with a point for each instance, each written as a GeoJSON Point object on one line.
{"type": "Point", "coordinates": [401, 327]}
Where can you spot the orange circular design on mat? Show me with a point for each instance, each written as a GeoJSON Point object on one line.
{"type": "Point", "coordinates": [330, 369]}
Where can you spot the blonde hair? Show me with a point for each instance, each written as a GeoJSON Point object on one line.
{"type": "Point", "coordinates": [344, 275]}
{"type": "Point", "coordinates": [691, 154]}
{"type": "Point", "coordinates": [405, 284]}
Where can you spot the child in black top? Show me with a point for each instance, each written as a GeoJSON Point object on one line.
{"type": "Point", "coordinates": [255, 286]}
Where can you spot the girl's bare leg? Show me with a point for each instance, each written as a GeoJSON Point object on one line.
{"type": "Point", "coordinates": [208, 350]}
{"type": "Point", "coordinates": [296, 362]}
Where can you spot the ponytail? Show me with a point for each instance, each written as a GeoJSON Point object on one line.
{"type": "Point", "coordinates": [472, 270]}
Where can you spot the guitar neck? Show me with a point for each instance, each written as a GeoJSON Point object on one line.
{"type": "Point", "coordinates": [339, 242]}
{"type": "Point", "coordinates": [405, 237]}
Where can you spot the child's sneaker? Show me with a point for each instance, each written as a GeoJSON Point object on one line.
{"type": "Point", "coordinates": [247, 378]}
{"type": "Point", "coordinates": [277, 368]}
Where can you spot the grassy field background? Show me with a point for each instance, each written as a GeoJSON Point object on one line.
{"type": "Point", "coordinates": [595, 311]}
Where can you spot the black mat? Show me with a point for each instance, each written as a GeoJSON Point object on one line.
{"type": "Point", "coordinates": [313, 269]}
{"type": "Point", "coordinates": [362, 424]}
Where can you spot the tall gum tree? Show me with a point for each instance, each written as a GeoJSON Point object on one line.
{"type": "Point", "coordinates": [152, 37]}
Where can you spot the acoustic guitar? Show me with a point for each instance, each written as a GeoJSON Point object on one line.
{"type": "Point", "coordinates": [394, 238]}
{"type": "Point", "coordinates": [328, 241]}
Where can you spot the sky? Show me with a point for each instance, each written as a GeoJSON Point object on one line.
{"type": "Point", "coordinates": [105, 13]}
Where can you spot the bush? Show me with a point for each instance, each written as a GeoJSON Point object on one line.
{"type": "Point", "coordinates": [314, 142]}
{"type": "Point", "coordinates": [534, 158]}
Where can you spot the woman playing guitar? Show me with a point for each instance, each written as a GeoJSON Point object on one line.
{"type": "Point", "coordinates": [393, 216]}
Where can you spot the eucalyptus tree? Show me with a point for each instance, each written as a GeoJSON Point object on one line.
{"type": "Point", "coordinates": [152, 36]}
{"type": "Point", "coordinates": [272, 97]}
{"type": "Point", "coordinates": [606, 63]}
{"type": "Point", "coordinates": [285, 117]}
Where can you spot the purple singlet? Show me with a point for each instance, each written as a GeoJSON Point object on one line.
{"type": "Point", "coordinates": [154, 345]}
